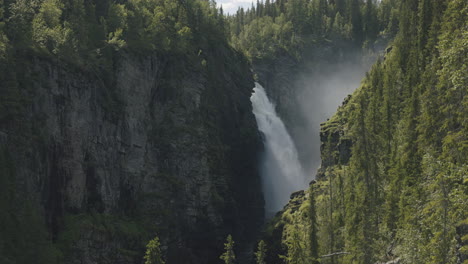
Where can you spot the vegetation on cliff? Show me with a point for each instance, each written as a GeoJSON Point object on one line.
{"type": "Point", "coordinates": [80, 31]}
{"type": "Point", "coordinates": [402, 192]}
{"type": "Point", "coordinates": [120, 120]}
{"type": "Point", "coordinates": [272, 28]}
{"type": "Point", "coordinates": [87, 34]}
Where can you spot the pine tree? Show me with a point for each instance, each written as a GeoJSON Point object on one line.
{"type": "Point", "coordinates": [2, 12]}
{"type": "Point", "coordinates": [228, 256]}
{"type": "Point", "coordinates": [3, 39]}
{"type": "Point", "coordinates": [371, 22]}
{"type": "Point", "coordinates": [296, 248]}
{"type": "Point", "coordinates": [260, 255]}
{"type": "Point", "coordinates": [19, 22]}
{"type": "Point", "coordinates": [267, 9]}
{"type": "Point", "coordinates": [355, 18]}
{"type": "Point", "coordinates": [340, 6]}
{"type": "Point", "coordinates": [313, 242]}
{"type": "Point", "coordinates": [259, 8]}
{"type": "Point", "coordinates": [153, 252]}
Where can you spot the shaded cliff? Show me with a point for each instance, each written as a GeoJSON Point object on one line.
{"type": "Point", "coordinates": [165, 145]}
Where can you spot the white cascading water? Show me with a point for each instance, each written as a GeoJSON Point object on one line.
{"type": "Point", "coordinates": [282, 173]}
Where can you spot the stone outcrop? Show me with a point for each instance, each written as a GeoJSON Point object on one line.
{"type": "Point", "coordinates": [164, 145]}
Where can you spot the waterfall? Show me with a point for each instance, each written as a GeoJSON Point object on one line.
{"type": "Point", "coordinates": [281, 171]}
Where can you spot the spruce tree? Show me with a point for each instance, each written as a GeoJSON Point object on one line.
{"type": "Point", "coordinates": [228, 256]}
{"type": "Point", "coordinates": [153, 252]}
{"type": "Point", "coordinates": [313, 242]}
{"type": "Point", "coordinates": [260, 255]}
{"type": "Point", "coordinates": [355, 17]}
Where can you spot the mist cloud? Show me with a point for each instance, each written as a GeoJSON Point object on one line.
{"type": "Point", "coordinates": [321, 89]}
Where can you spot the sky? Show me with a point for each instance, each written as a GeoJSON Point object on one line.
{"type": "Point", "coordinates": [231, 6]}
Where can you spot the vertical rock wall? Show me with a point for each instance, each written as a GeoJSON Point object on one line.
{"type": "Point", "coordinates": [166, 145]}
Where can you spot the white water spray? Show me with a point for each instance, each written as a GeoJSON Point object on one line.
{"type": "Point", "coordinates": [282, 173]}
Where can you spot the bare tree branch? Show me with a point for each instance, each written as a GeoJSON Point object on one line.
{"type": "Point", "coordinates": [334, 254]}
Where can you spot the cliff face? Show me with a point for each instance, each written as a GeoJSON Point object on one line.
{"type": "Point", "coordinates": [278, 77]}
{"type": "Point", "coordinates": [167, 146]}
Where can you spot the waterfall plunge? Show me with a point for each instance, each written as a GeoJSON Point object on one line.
{"type": "Point", "coordinates": [282, 173]}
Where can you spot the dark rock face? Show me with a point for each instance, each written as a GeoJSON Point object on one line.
{"type": "Point", "coordinates": [335, 147]}
{"type": "Point", "coordinates": [169, 147]}
{"type": "Point", "coordinates": [296, 200]}
{"type": "Point", "coordinates": [278, 77]}
{"type": "Point", "coordinates": [298, 194]}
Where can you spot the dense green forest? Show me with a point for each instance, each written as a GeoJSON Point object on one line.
{"type": "Point", "coordinates": [393, 185]}
{"type": "Point", "coordinates": [272, 28]}
{"type": "Point", "coordinates": [81, 31]}
{"type": "Point", "coordinates": [400, 193]}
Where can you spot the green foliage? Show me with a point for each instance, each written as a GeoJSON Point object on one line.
{"type": "Point", "coordinates": [403, 190]}
{"type": "Point", "coordinates": [3, 37]}
{"type": "Point", "coordinates": [313, 246]}
{"type": "Point", "coordinates": [298, 240]}
{"type": "Point", "coordinates": [296, 247]}
{"type": "Point", "coordinates": [153, 252]}
{"type": "Point", "coordinates": [83, 33]}
{"type": "Point", "coordinates": [228, 256]}
{"type": "Point", "coordinates": [266, 36]}
{"type": "Point", "coordinates": [290, 27]}
{"type": "Point", "coordinates": [260, 255]}
{"type": "Point", "coordinates": [47, 30]}
{"type": "Point", "coordinates": [19, 20]}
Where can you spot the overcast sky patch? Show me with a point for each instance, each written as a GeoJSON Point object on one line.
{"type": "Point", "coordinates": [231, 6]}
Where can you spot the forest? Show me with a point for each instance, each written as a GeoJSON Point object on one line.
{"type": "Point", "coordinates": [398, 193]}
{"type": "Point", "coordinates": [127, 134]}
